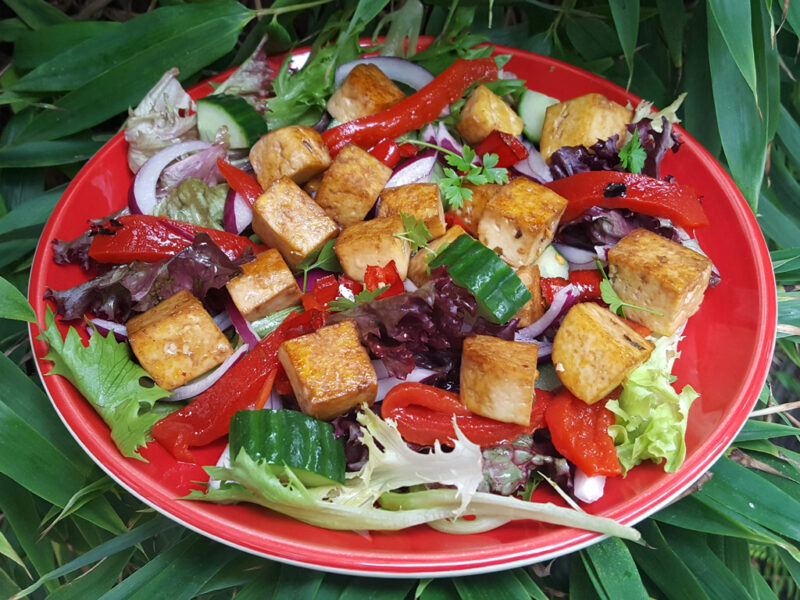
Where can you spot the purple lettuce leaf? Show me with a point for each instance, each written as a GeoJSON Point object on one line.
{"type": "Point", "coordinates": [348, 429]}
{"type": "Point", "coordinates": [136, 287]}
{"type": "Point", "coordinates": [76, 251]}
{"type": "Point", "coordinates": [598, 226]}
{"type": "Point", "coordinates": [655, 143]}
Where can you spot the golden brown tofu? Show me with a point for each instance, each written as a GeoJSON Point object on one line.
{"type": "Point", "coordinates": [472, 210]}
{"type": "Point", "coordinates": [286, 218]}
{"type": "Point", "coordinates": [266, 285]}
{"type": "Point", "coordinates": [594, 351]}
{"type": "Point", "coordinates": [418, 267]}
{"type": "Point", "coordinates": [534, 308]}
{"type": "Point", "coordinates": [497, 378]}
{"type": "Point", "coordinates": [365, 91]}
{"type": "Point", "coordinates": [296, 152]}
{"type": "Point", "coordinates": [650, 271]}
{"type": "Point", "coordinates": [484, 112]}
{"type": "Point", "coordinates": [177, 340]}
{"type": "Point", "coordinates": [420, 200]}
{"type": "Point", "coordinates": [351, 185]}
{"type": "Point", "coordinates": [520, 221]}
{"type": "Point", "coordinates": [372, 243]}
{"type": "Point", "coordinates": [581, 122]}
{"type": "Point", "coordinates": [329, 370]}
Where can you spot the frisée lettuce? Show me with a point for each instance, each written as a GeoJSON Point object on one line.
{"type": "Point", "coordinates": [651, 416]}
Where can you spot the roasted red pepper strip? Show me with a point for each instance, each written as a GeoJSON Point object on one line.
{"type": "Point", "coordinates": [579, 431]}
{"type": "Point", "coordinates": [378, 277]}
{"type": "Point", "coordinates": [242, 182]}
{"type": "Point", "coordinates": [149, 239]}
{"type": "Point", "coordinates": [416, 110]}
{"type": "Point", "coordinates": [408, 150]}
{"type": "Point", "coordinates": [386, 151]}
{"type": "Point", "coordinates": [325, 289]}
{"type": "Point", "coordinates": [424, 414]}
{"type": "Point", "coordinates": [208, 416]}
{"type": "Point", "coordinates": [639, 193]}
{"type": "Point", "coordinates": [451, 219]}
{"type": "Point", "coordinates": [587, 281]}
{"type": "Point", "coordinates": [509, 150]}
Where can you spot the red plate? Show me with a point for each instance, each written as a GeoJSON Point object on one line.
{"type": "Point", "coordinates": [726, 357]}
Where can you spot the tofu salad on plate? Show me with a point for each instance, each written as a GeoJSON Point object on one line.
{"type": "Point", "coordinates": [445, 291]}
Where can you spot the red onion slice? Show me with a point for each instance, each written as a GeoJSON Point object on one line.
{"type": "Point", "coordinates": [223, 321]}
{"type": "Point", "coordinates": [562, 301]}
{"type": "Point", "coordinates": [142, 198]}
{"type": "Point", "coordinates": [588, 489]}
{"type": "Point", "coordinates": [394, 67]}
{"type": "Point", "coordinates": [197, 387]}
{"type": "Point", "coordinates": [417, 169]}
{"type": "Point", "coordinates": [386, 383]}
{"type": "Point", "coordinates": [105, 326]}
{"type": "Point", "coordinates": [577, 256]}
{"type": "Point", "coordinates": [533, 166]}
{"type": "Point", "coordinates": [237, 214]}
{"type": "Point", "coordinates": [242, 325]}
{"type": "Point", "coordinates": [441, 136]}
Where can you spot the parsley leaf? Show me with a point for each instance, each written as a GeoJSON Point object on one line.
{"type": "Point", "coordinates": [324, 259]}
{"type": "Point", "coordinates": [364, 296]}
{"type": "Point", "coordinates": [610, 296]}
{"type": "Point", "coordinates": [416, 232]}
{"type": "Point", "coordinates": [632, 155]}
{"type": "Point", "coordinates": [105, 374]}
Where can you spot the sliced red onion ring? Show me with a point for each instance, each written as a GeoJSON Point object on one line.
{"type": "Point", "coordinates": [197, 387]}
{"type": "Point", "coordinates": [104, 326]}
{"type": "Point", "coordinates": [242, 325]}
{"type": "Point", "coordinates": [588, 489]}
{"type": "Point", "coordinates": [238, 213]}
{"type": "Point", "coordinates": [577, 256]}
{"type": "Point", "coordinates": [223, 321]}
{"type": "Point", "coordinates": [313, 276]}
{"type": "Point", "coordinates": [417, 169]}
{"type": "Point", "coordinates": [533, 166]}
{"type": "Point", "coordinates": [142, 197]}
{"type": "Point", "coordinates": [545, 351]}
{"type": "Point", "coordinates": [442, 137]}
{"type": "Point", "coordinates": [394, 67]}
{"type": "Point", "coordinates": [410, 286]}
{"type": "Point", "coordinates": [386, 383]}
{"type": "Point", "coordinates": [562, 301]}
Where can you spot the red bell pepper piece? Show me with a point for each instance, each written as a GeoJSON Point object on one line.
{"type": "Point", "coordinates": [579, 431]}
{"type": "Point", "coordinates": [386, 151]}
{"type": "Point", "coordinates": [416, 110]}
{"type": "Point", "coordinates": [587, 281]}
{"type": "Point", "coordinates": [149, 239]}
{"type": "Point", "coordinates": [408, 150]}
{"type": "Point", "coordinates": [451, 219]}
{"type": "Point", "coordinates": [639, 193]}
{"type": "Point", "coordinates": [325, 289]}
{"type": "Point", "coordinates": [208, 416]}
{"type": "Point", "coordinates": [351, 284]}
{"type": "Point", "coordinates": [378, 277]}
{"type": "Point", "coordinates": [424, 414]}
{"type": "Point", "coordinates": [509, 150]}
{"type": "Point", "coordinates": [242, 182]}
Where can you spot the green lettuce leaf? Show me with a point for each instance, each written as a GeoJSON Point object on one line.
{"type": "Point", "coordinates": [651, 416]}
{"type": "Point", "coordinates": [105, 374]}
{"type": "Point", "coordinates": [194, 201]}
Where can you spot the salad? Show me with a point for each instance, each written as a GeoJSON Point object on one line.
{"type": "Point", "coordinates": [414, 310]}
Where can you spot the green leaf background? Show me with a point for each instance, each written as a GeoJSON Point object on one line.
{"type": "Point", "coordinates": [67, 531]}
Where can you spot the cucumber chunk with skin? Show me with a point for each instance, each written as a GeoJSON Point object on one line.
{"type": "Point", "coordinates": [245, 125]}
{"type": "Point", "coordinates": [278, 438]}
{"type": "Point", "coordinates": [532, 108]}
{"type": "Point", "coordinates": [552, 264]}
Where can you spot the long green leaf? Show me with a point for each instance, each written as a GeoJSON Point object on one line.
{"type": "Point", "coordinates": [732, 20]}
{"type": "Point", "coordinates": [13, 305]}
{"type": "Point", "coordinates": [12, 29]}
{"type": "Point", "coordinates": [49, 153]}
{"type": "Point", "coordinates": [672, 16]}
{"type": "Point", "coordinates": [96, 582]}
{"type": "Point", "coordinates": [36, 47]}
{"type": "Point", "coordinates": [762, 430]}
{"type": "Point", "coordinates": [490, 587]}
{"type": "Point", "coordinates": [27, 220]}
{"type": "Point", "coordinates": [294, 582]}
{"type": "Point", "coordinates": [741, 127]}
{"type": "Point", "coordinates": [776, 224]}
{"type": "Point", "coordinates": [626, 20]}
{"type": "Point", "coordinates": [7, 550]}
{"type": "Point", "coordinates": [377, 589]}
{"type": "Point", "coordinates": [263, 585]}
{"type": "Point", "coordinates": [188, 37]}
{"type": "Point", "coordinates": [581, 584]}
{"type": "Point", "coordinates": [616, 570]}
{"type": "Point", "coordinates": [37, 13]}
{"type": "Point", "coordinates": [736, 556]}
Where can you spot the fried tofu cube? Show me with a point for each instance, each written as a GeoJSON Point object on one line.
{"type": "Point", "coordinates": [650, 271]}
{"type": "Point", "coordinates": [520, 221]}
{"type": "Point", "coordinates": [594, 351]}
{"type": "Point", "coordinates": [373, 242]}
{"type": "Point", "coordinates": [420, 200]}
{"type": "Point", "coordinates": [177, 340]}
{"type": "Point", "coordinates": [484, 112]}
{"type": "Point", "coordinates": [266, 285]}
{"type": "Point", "coordinates": [296, 152]}
{"type": "Point", "coordinates": [286, 218]}
{"type": "Point", "coordinates": [329, 370]}
{"type": "Point", "coordinates": [351, 185]}
{"type": "Point", "coordinates": [365, 91]}
{"type": "Point", "coordinates": [534, 308]}
{"type": "Point", "coordinates": [581, 122]}
{"type": "Point", "coordinates": [471, 211]}
{"type": "Point", "coordinates": [418, 267]}
{"type": "Point", "coordinates": [497, 378]}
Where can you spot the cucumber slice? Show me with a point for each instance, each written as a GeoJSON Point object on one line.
{"type": "Point", "coordinates": [287, 437]}
{"type": "Point", "coordinates": [498, 290]}
{"type": "Point", "coordinates": [245, 125]}
{"type": "Point", "coordinates": [532, 108]}
{"type": "Point", "coordinates": [552, 264]}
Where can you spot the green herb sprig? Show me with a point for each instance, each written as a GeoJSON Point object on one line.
{"type": "Point", "coordinates": [416, 232]}
{"type": "Point", "coordinates": [364, 296]}
{"type": "Point", "coordinates": [610, 296]}
{"type": "Point", "coordinates": [632, 155]}
{"type": "Point", "coordinates": [324, 259]}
